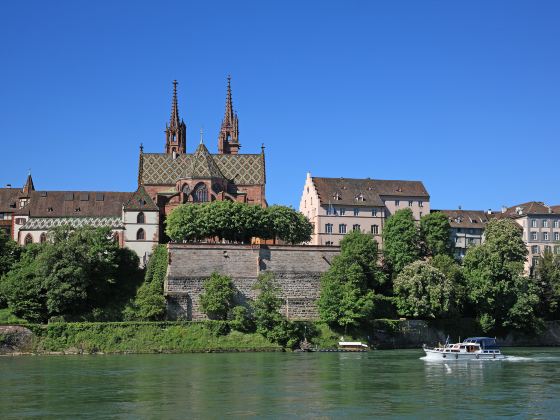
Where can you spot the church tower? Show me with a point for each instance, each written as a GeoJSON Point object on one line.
{"type": "Point", "coordinates": [228, 139]}
{"type": "Point", "coordinates": [176, 130]}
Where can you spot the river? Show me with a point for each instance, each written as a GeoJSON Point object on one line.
{"type": "Point", "coordinates": [312, 385]}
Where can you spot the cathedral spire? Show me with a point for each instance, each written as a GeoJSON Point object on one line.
{"type": "Point", "coordinates": [175, 132]}
{"type": "Point", "coordinates": [228, 139]}
{"type": "Point", "coordinates": [28, 187]}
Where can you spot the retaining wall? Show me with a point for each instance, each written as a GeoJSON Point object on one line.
{"type": "Point", "coordinates": [297, 270]}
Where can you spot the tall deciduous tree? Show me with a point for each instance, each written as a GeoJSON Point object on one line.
{"type": "Point", "coordinates": [435, 234]}
{"type": "Point", "coordinates": [547, 279]}
{"type": "Point", "coordinates": [9, 252]}
{"type": "Point", "coordinates": [423, 291]}
{"type": "Point", "coordinates": [500, 293]}
{"type": "Point", "coordinates": [362, 249]}
{"type": "Point", "coordinates": [345, 299]}
{"type": "Point", "coordinates": [401, 241]}
{"type": "Point", "coordinates": [217, 299]}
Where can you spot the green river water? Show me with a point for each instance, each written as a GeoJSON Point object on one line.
{"type": "Point", "coordinates": [390, 383]}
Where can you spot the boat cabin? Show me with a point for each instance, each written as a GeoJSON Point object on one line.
{"type": "Point", "coordinates": [352, 346]}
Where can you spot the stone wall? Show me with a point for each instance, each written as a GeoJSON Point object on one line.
{"type": "Point", "coordinates": [297, 270]}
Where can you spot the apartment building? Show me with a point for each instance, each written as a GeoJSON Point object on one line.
{"type": "Point", "coordinates": [541, 228]}
{"type": "Point", "coordinates": [467, 228]}
{"type": "Point", "coordinates": [336, 206]}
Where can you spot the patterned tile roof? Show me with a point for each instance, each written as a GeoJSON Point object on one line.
{"type": "Point", "coordinates": [46, 223]}
{"type": "Point", "coordinates": [162, 169]}
{"type": "Point", "coordinates": [141, 201]}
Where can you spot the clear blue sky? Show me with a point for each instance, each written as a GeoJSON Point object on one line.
{"type": "Point", "coordinates": [464, 96]}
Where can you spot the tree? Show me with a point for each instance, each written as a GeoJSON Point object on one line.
{"type": "Point", "coordinates": [9, 252]}
{"type": "Point", "coordinates": [149, 303]}
{"type": "Point", "coordinates": [77, 274]}
{"type": "Point", "coordinates": [23, 287]}
{"type": "Point", "coordinates": [288, 225]}
{"type": "Point", "coordinates": [401, 242]}
{"type": "Point", "coordinates": [266, 313]}
{"type": "Point", "coordinates": [454, 274]}
{"type": "Point", "coordinates": [422, 291]}
{"type": "Point", "coordinates": [496, 287]}
{"type": "Point", "coordinates": [547, 280]}
{"type": "Point", "coordinates": [434, 234]}
{"type": "Point", "coordinates": [217, 299]}
{"type": "Point", "coordinates": [345, 300]}
{"type": "Point", "coordinates": [362, 248]}
{"type": "Point", "coordinates": [237, 222]}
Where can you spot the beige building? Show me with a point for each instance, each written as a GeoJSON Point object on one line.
{"type": "Point", "coordinates": [336, 206]}
{"type": "Point", "coordinates": [541, 228]}
{"type": "Point", "coordinates": [467, 228]}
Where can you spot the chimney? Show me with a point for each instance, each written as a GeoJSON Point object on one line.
{"type": "Point", "coordinates": [504, 208]}
{"type": "Point", "coordinates": [489, 211]}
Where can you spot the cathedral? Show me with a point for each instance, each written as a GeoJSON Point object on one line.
{"type": "Point", "coordinates": [165, 180]}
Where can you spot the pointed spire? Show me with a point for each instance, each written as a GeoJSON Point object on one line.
{"type": "Point", "coordinates": [228, 140]}
{"type": "Point", "coordinates": [228, 117]}
{"type": "Point", "coordinates": [141, 166]}
{"type": "Point", "coordinates": [28, 187]}
{"type": "Point", "coordinates": [174, 120]}
{"type": "Point", "coordinates": [176, 130]}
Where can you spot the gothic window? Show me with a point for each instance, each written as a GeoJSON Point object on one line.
{"type": "Point", "coordinates": [28, 239]}
{"type": "Point", "coordinates": [140, 218]}
{"type": "Point", "coordinates": [140, 235]}
{"type": "Point", "coordinates": [200, 193]}
{"type": "Point", "coordinates": [43, 238]}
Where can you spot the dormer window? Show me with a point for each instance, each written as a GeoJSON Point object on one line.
{"type": "Point", "coordinates": [360, 197]}
{"type": "Point", "coordinates": [337, 196]}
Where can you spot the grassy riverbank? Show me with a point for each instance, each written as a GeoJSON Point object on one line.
{"type": "Point", "coordinates": [143, 337]}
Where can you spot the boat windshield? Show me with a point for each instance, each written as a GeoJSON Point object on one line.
{"type": "Point", "coordinates": [485, 342]}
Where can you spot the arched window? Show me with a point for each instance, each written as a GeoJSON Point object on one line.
{"type": "Point", "coordinates": [43, 238]}
{"type": "Point", "coordinates": [140, 218]}
{"type": "Point", "coordinates": [140, 235]}
{"type": "Point", "coordinates": [200, 193]}
{"type": "Point", "coordinates": [186, 190]}
{"type": "Point", "coordinates": [28, 239]}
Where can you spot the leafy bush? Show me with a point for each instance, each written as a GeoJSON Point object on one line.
{"type": "Point", "coordinates": [241, 319]}
{"type": "Point", "coordinates": [217, 299]}
{"type": "Point", "coordinates": [266, 312]}
{"type": "Point", "coordinates": [149, 303]}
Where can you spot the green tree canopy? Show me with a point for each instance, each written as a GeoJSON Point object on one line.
{"type": "Point", "coordinates": [362, 248]}
{"type": "Point", "coordinates": [218, 297]}
{"type": "Point", "coordinates": [9, 252]}
{"type": "Point", "coordinates": [422, 291]}
{"type": "Point", "coordinates": [547, 280]}
{"type": "Point", "coordinates": [502, 296]}
{"type": "Point", "coordinates": [78, 274]}
{"type": "Point", "coordinates": [435, 234]}
{"type": "Point", "coordinates": [237, 222]}
{"type": "Point", "coordinates": [345, 300]}
{"type": "Point", "coordinates": [401, 241]}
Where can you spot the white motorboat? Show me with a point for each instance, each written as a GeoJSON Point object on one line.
{"type": "Point", "coordinates": [473, 348]}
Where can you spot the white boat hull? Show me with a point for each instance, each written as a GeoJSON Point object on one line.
{"type": "Point", "coordinates": [432, 354]}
